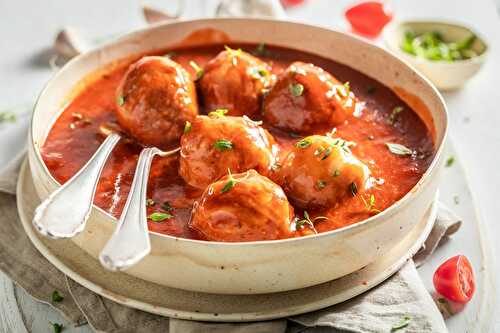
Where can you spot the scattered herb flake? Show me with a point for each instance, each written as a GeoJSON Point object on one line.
{"type": "Point", "coordinates": [296, 89]}
{"type": "Point", "coordinates": [300, 223]}
{"type": "Point", "coordinates": [187, 127]}
{"type": "Point", "coordinates": [336, 173]}
{"type": "Point", "coordinates": [394, 114]}
{"type": "Point", "coordinates": [56, 297]}
{"type": "Point", "coordinates": [321, 184]}
{"type": "Point", "coordinates": [399, 149]}
{"type": "Point", "coordinates": [217, 113]}
{"type": "Point", "coordinates": [56, 327]}
{"type": "Point", "coordinates": [232, 52]}
{"type": "Point", "coordinates": [353, 189]}
{"type": "Point", "coordinates": [150, 202]}
{"type": "Point", "coordinates": [456, 199]}
{"type": "Point", "coordinates": [450, 161]}
{"type": "Point", "coordinates": [260, 50]}
{"type": "Point", "coordinates": [294, 135]}
{"type": "Point", "coordinates": [327, 153]}
{"type": "Point", "coordinates": [402, 324]}
{"type": "Point", "coordinates": [166, 206]}
{"type": "Point", "coordinates": [158, 217]}
{"type": "Point", "coordinates": [7, 116]}
{"type": "Point", "coordinates": [229, 185]}
{"type": "Point", "coordinates": [223, 144]}
{"type": "Point", "coordinates": [319, 150]}
{"type": "Point", "coordinates": [120, 100]}
{"type": "Point", "coordinates": [304, 143]}
{"type": "Point", "coordinates": [199, 71]}
{"type": "Point", "coordinates": [347, 87]}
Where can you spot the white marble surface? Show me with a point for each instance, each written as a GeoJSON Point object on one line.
{"type": "Point", "coordinates": [27, 29]}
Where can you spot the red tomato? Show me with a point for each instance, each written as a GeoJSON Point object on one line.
{"type": "Point", "coordinates": [289, 3]}
{"type": "Point", "coordinates": [454, 279]}
{"type": "Point", "coordinates": [368, 18]}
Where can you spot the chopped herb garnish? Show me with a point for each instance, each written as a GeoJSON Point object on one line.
{"type": "Point", "coordinates": [56, 327]}
{"type": "Point", "coordinates": [347, 87]}
{"type": "Point", "coordinates": [319, 150]}
{"type": "Point", "coordinates": [402, 324]}
{"type": "Point", "coordinates": [321, 184]}
{"type": "Point", "coordinates": [371, 89]}
{"type": "Point", "coordinates": [296, 89]}
{"type": "Point", "coordinates": [336, 173]}
{"type": "Point", "coordinates": [275, 167]}
{"type": "Point", "coordinates": [304, 143]}
{"type": "Point", "coordinates": [150, 202]}
{"type": "Point", "coordinates": [56, 297]}
{"type": "Point", "coordinates": [223, 144]}
{"type": "Point", "coordinates": [217, 113]}
{"type": "Point", "coordinates": [230, 183]}
{"type": "Point", "coordinates": [120, 100]}
{"type": "Point", "coordinates": [450, 161]}
{"type": "Point", "coordinates": [456, 199]}
{"type": "Point", "coordinates": [327, 153]}
{"type": "Point", "coordinates": [394, 114]}
{"type": "Point", "coordinates": [399, 149]}
{"type": "Point", "coordinates": [199, 71]}
{"type": "Point", "coordinates": [232, 52]}
{"type": "Point", "coordinates": [295, 135]}
{"type": "Point", "coordinates": [158, 217]}
{"type": "Point", "coordinates": [353, 189]}
{"type": "Point", "coordinates": [187, 127]}
{"type": "Point", "coordinates": [300, 223]}
{"type": "Point", "coordinates": [370, 205]}
{"type": "Point", "coordinates": [7, 116]}
{"type": "Point", "coordinates": [166, 206]}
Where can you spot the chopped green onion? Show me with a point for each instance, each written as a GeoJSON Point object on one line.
{"type": "Point", "coordinates": [217, 113]}
{"type": "Point", "coordinates": [199, 71]}
{"type": "Point", "coordinates": [120, 100]}
{"type": "Point", "coordinates": [187, 127]}
{"type": "Point", "coordinates": [450, 161]}
{"type": "Point", "coordinates": [402, 324]}
{"type": "Point", "coordinates": [304, 143]}
{"type": "Point", "coordinates": [223, 144]}
{"type": "Point", "coordinates": [394, 113]}
{"type": "Point", "coordinates": [296, 89]}
{"type": "Point", "coordinates": [158, 217]}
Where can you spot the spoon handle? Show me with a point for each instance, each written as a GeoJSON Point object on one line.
{"type": "Point", "coordinates": [64, 213]}
{"type": "Point", "coordinates": [129, 243]}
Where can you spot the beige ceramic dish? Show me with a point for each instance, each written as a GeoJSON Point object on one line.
{"type": "Point", "coordinates": [445, 75]}
{"type": "Point", "coordinates": [255, 267]}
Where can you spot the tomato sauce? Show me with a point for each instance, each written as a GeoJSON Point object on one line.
{"type": "Point", "coordinates": [78, 132]}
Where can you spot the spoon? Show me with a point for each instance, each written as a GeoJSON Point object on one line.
{"type": "Point", "coordinates": [52, 216]}
{"type": "Point", "coordinates": [130, 242]}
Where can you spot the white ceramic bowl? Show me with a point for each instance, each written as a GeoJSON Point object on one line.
{"type": "Point", "coordinates": [266, 266]}
{"type": "Point", "coordinates": [445, 75]}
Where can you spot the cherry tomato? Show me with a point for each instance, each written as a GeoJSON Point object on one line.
{"type": "Point", "coordinates": [454, 279]}
{"type": "Point", "coordinates": [290, 3]}
{"type": "Point", "coordinates": [368, 18]}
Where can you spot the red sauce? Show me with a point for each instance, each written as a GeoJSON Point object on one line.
{"type": "Point", "coordinates": [72, 141]}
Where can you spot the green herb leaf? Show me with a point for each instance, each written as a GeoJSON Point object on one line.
{"type": "Point", "coordinates": [150, 202]}
{"type": "Point", "coordinates": [450, 161]}
{"type": "Point", "coordinates": [336, 173]}
{"type": "Point", "coordinates": [217, 113]}
{"type": "Point", "coordinates": [158, 217]}
{"type": "Point", "coordinates": [300, 223]}
{"type": "Point", "coordinates": [327, 153]}
{"type": "Point", "coordinates": [353, 189]}
{"type": "Point", "coordinates": [347, 87]}
{"type": "Point", "coordinates": [229, 185]}
{"type": "Point", "coordinates": [232, 52]}
{"type": "Point", "coordinates": [402, 324]}
{"type": "Point", "coordinates": [56, 297]}
{"type": "Point", "coordinates": [296, 89]}
{"type": "Point", "coordinates": [295, 135]}
{"type": "Point", "coordinates": [223, 144]}
{"type": "Point", "coordinates": [304, 143]}
{"type": "Point", "coordinates": [199, 71]}
{"type": "Point", "coordinates": [394, 113]}
{"type": "Point", "coordinates": [7, 116]}
{"type": "Point", "coordinates": [399, 149]}
{"type": "Point", "coordinates": [187, 127]}
{"type": "Point", "coordinates": [120, 100]}
{"type": "Point", "coordinates": [166, 206]}
{"type": "Point", "coordinates": [57, 328]}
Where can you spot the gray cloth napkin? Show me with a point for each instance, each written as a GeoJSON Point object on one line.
{"type": "Point", "coordinates": [374, 311]}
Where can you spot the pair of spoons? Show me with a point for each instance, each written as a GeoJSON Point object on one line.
{"type": "Point", "coordinates": [129, 242]}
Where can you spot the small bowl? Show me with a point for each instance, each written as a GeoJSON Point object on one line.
{"type": "Point", "coordinates": [445, 75]}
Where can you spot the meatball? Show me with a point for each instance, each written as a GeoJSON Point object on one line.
{"type": "Point", "coordinates": [305, 98]}
{"type": "Point", "coordinates": [235, 80]}
{"type": "Point", "coordinates": [319, 171]}
{"type": "Point", "coordinates": [154, 100]}
{"type": "Point", "coordinates": [243, 207]}
{"type": "Point", "coordinates": [215, 143]}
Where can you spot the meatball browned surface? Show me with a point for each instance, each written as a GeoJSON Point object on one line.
{"type": "Point", "coordinates": [213, 144]}
{"type": "Point", "coordinates": [241, 208]}
{"type": "Point", "coordinates": [319, 171]}
{"type": "Point", "coordinates": [306, 98]}
{"type": "Point", "coordinates": [155, 99]}
{"type": "Point", "coordinates": [235, 80]}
